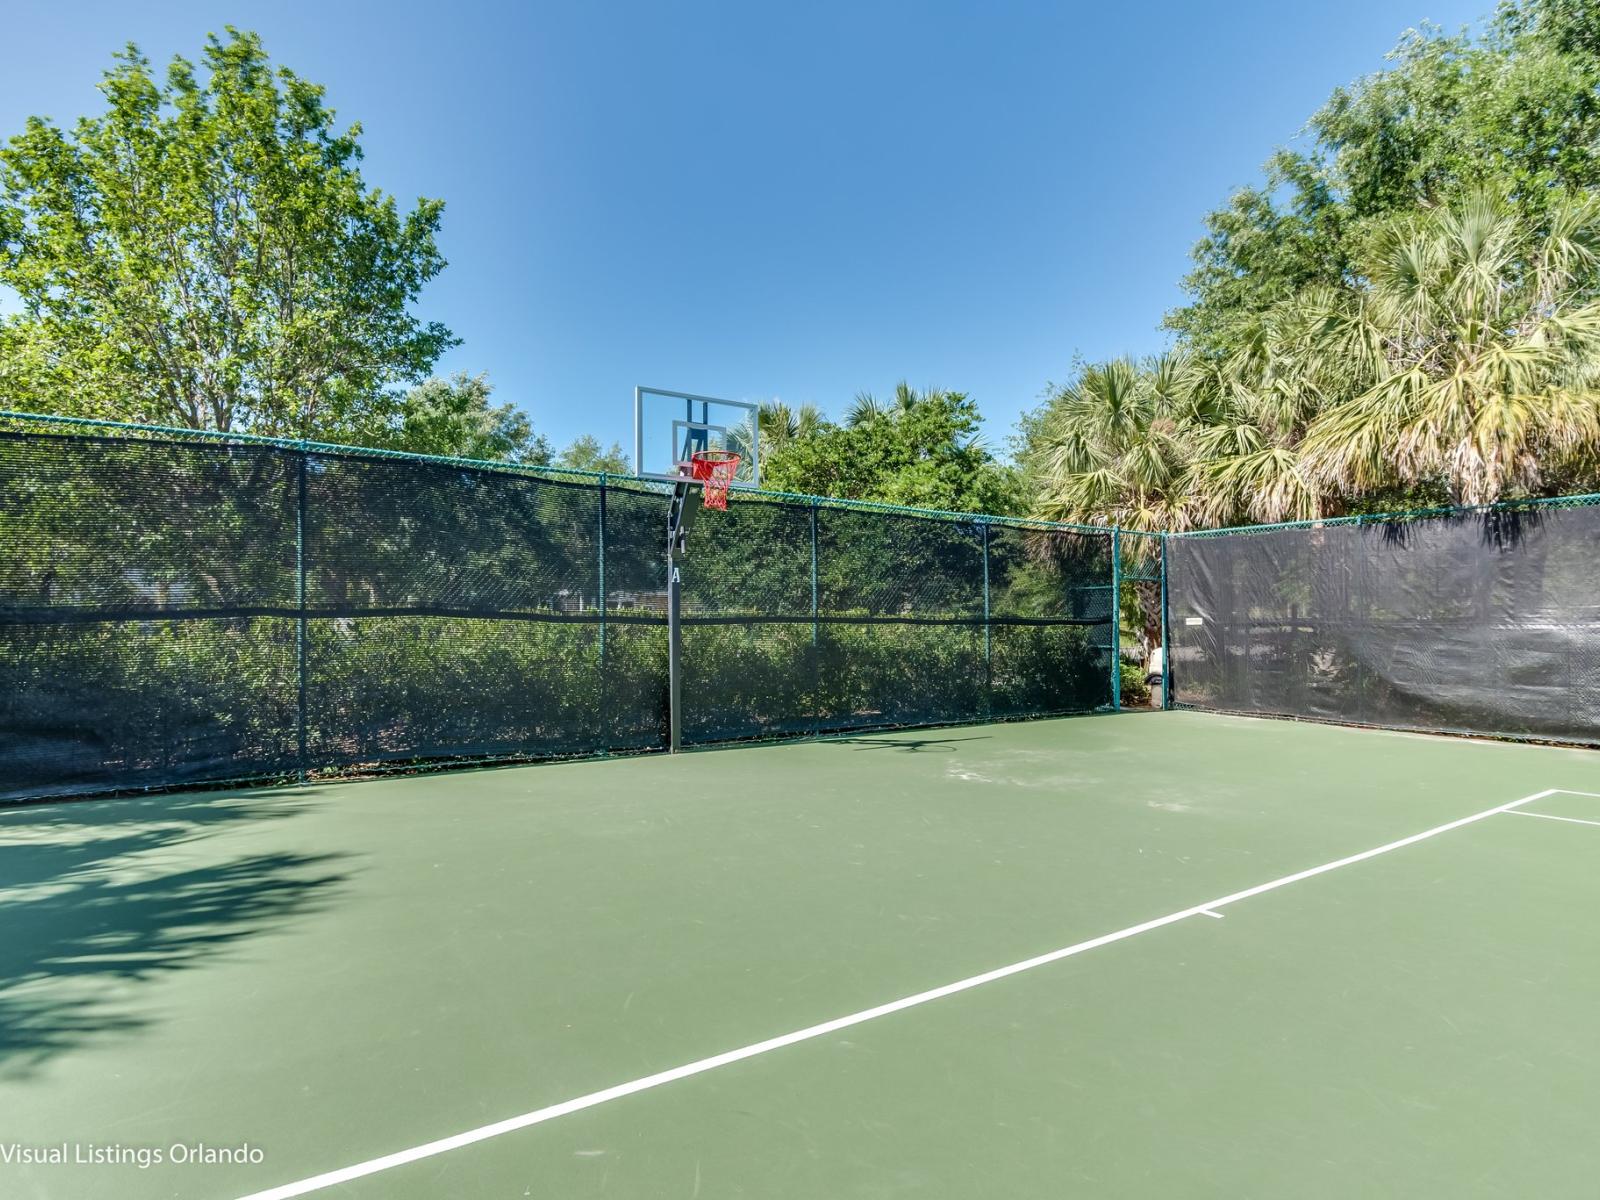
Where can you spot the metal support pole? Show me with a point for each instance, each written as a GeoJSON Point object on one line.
{"type": "Point", "coordinates": [607, 709]}
{"type": "Point", "coordinates": [1166, 645]}
{"type": "Point", "coordinates": [814, 609]}
{"type": "Point", "coordinates": [674, 659]}
{"type": "Point", "coordinates": [680, 514]}
{"type": "Point", "coordinates": [988, 632]}
{"type": "Point", "coordinates": [816, 703]}
{"type": "Point", "coordinates": [300, 609]}
{"type": "Point", "coordinates": [600, 562]}
{"type": "Point", "coordinates": [1116, 617]}
{"type": "Point", "coordinates": [638, 430]}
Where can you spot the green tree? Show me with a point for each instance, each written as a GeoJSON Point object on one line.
{"type": "Point", "coordinates": [1516, 110]}
{"type": "Point", "coordinates": [454, 417]}
{"type": "Point", "coordinates": [1402, 314]}
{"type": "Point", "coordinates": [1461, 362]}
{"type": "Point", "coordinates": [1115, 446]}
{"type": "Point", "coordinates": [206, 253]}
{"type": "Point", "coordinates": [866, 407]}
{"type": "Point", "coordinates": [779, 425]}
{"type": "Point", "coordinates": [1123, 444]}
{"type": "Point", "coordinates": [586, 454]}
{"type": "Point", "coordinates": [927, 454]}
{"type": "Point", "coordinates": [1473, 348]}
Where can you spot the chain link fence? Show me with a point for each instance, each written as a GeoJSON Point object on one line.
{"type": "Point", "coordinates": [178, 609]}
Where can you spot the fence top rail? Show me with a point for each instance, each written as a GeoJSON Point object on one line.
{"type": "Point", "coordinates": [605, 479]}
{"type": "Point", "coordinates": [300, 444]}
{"type": "Point", "coordinates": [566, 474]}
{"type": "Point", "coordinates": [1583, 500]}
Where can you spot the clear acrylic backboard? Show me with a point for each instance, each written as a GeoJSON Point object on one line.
{"type": "Point", "coordinates": [670, 426]}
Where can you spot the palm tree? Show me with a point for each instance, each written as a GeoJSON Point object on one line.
{"type": "Point", "coordinates": [1251, 412]}
{"type": "Point", "coordinates": [866, 407]}
{"type": "Point", "coordinates": [1474, 344]}
{"type": "Point", "coordinates": [1108, 449]}
{"type": "Point", "coordinates": [1466, 353]}
{"type": "Point", "coordinates": [779, 425]}
{"type": "Point", "coordinates": [1179, 442]}
{"type": "Point", "coordinates": [863, 410]}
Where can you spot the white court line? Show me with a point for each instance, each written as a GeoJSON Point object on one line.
{"type": "Point", "coordinates": [540, 1115]}
{"type": "Point", "coordinates": [1206, 912]}
{"type": "Point", "coordinates": [1553, 817]}
{"type": "Point", "coordinates": [1570, 792]}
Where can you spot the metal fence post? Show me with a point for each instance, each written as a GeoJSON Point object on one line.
{"type": "Point", "coordinates": [816, 633]}
{"type": "Point", "coordinates": [1166, 642]}
{"type": "Point", "coordinates": [605, 680]}
{"type": "Point", "coordinates": [601, 565]}
{"type": "Point", "coordinates": [814, 608]}
{"type": "Point", "coordinates": [1116, 617]}
{"type": "Point", "coordinates": [988, 633]}
{"type": "Point", "coordinates": [300, 608]}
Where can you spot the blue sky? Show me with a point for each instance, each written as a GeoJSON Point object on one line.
{"type": "Point", "coordinates": [799, 201]}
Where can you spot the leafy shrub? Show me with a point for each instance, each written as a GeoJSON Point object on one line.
{"type": "Point", "coordinates": [1135, 691]}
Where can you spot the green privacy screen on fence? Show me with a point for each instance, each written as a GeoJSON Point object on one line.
{"type": "Point", "coordinates": [177, 611]}
{"type": "Point", "coordinates": [1465, 621]}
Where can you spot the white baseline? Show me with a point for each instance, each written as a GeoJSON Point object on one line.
{"type": "Point", "coordinates": [549, 1113]}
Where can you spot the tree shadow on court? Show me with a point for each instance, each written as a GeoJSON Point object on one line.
{"type": "Point", "coordinates": [100, 897]}
{"type": "Point", "coordinates": [908, 745]}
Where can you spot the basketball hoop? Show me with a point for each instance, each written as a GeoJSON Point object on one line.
{"type": "Point", "coordinates": [715, 470]}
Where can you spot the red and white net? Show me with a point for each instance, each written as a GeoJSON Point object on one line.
{"type": "Point", "coordinates": [714, 469]}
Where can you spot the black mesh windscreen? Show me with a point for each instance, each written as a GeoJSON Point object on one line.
{"type": "Point", "coordinates": [1482, 622]}
{"type": "Point", "coordinates": [633, 686]}
{"type": "Point", "coordinates": [147, 613]}
{"type": "Point", "coordinates": [113, 704]}
{"type": "Point", "coordinates": [178, 613]}
{"type": "Point", "coordinates": [805, 618]}
{"type": "Point", "coordinates": [1050, 616]}
{"type": "Point", "coordinates": [452, 612]}
{"type": "Point", "coordinates": [903, 600]}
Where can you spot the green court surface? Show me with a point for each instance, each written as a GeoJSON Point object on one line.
{"type": "Point", "coordinates": [348, 977]}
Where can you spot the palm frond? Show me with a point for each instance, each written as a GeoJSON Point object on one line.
{"type": "Point", "coordinates": [864, 409]}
